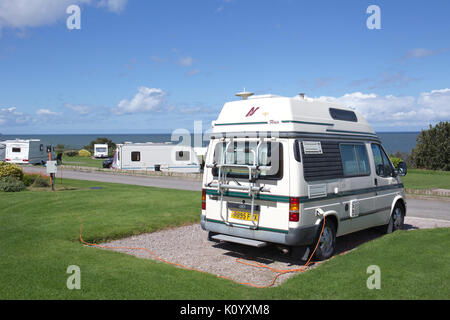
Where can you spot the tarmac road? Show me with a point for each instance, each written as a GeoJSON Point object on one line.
{"type": "Point", "coordinates": [147, 181]}
{"type": "Point", "coordinates": [421, 208]}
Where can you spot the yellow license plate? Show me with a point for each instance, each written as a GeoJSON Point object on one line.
{"type": "Point", "coordinates": [244, 215]}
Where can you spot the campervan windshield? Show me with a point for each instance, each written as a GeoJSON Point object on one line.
{"type": "Point", "coordinates": [247, 153]}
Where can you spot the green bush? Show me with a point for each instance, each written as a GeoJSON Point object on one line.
{"type": "Point", "coordinates": [35, 180]}
{"type": "Point", "coordinates": [84, 153]}
{"type": "Point", "coordinates": [11, 184]}
{"type": "Point", "coordinates": [71, 153]}
{"type": "Point", "coordinates": [432, 150]}
{"type": "Point", "coordinates": [395, 161]}
{"type": "Point", "coordinates": [10, 170]}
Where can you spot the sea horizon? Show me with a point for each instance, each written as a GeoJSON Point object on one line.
{"type": "Point", "coordinates": [396, 141]}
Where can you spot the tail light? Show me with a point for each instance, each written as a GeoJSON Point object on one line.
{"type": "Point", "coordinates": [25, 160]}
{"type": "Point", "coordinates": [294, 209]}
{"type": "Point", "coordinates": [7, 159]}
{"type": "Point", "coordinates": [203, 199]}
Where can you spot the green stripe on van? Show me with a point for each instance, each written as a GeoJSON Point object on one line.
{"type": "Point", "coordinates": [242, 195]}
{"type": "Point", "coordinates": [277, 198]}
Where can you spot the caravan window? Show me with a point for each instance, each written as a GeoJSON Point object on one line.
{"type": "Point", "coordinates": [182, 155]}
{"type": "Point", "coordinates": [135, 156]}
{"type": "Point", "coordinates": [355, 161]}
{"type": "Point", "coordinates": [101, 149]}
{"type": "Point", "coordinates": [16, 150]}
{"type": "Point", "coordinates": [270, 154]}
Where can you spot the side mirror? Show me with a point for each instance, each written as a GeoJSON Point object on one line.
{"type": "Point", "coordinates": [402, 170]}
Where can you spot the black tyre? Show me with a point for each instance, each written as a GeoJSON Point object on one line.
{"type": "Point", "coordinates": [396, 222]}
{"type": "Point", "coordinates": [327, 242]}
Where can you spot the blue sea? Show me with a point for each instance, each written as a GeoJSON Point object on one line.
{"type": "Point", "coordinates": [392, 141]}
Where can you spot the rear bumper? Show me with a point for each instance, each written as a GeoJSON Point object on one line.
{"type": "Point", "coordinates": [293, 237]}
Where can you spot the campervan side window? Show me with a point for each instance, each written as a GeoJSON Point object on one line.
{"type": "Point", "coordinates": [270, 154]}
{"type": "Point", "coordinates": [182, 155]}
{"type": "Point", "coordinates": [355, 161]}
{"type": "Point", "coordinates": [383, 166]}
{"type": "Point", "coordinates": [135, 156]}
{"type": "Point", "coordinates": [345, 115]}
{"type": "Point", "coordinates": [16, 150]}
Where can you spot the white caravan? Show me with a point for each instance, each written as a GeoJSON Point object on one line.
{"type": "Point", "coordinates": [2, 151]}
{"type": "Point", "coordinates": [32, 151]}
{"type": "Point", "coordinates": [155, 157]}
{"type": "Point", "coordinates": [277, 166]}
{"type": "Point", "coordinates": [100, 151]}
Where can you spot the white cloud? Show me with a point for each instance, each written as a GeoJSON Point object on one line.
{"type": "Point", "coordinates": [11, 117]}
{"type": "Point", "coordinates": [399, 111]}
{"type": "Point", "coordinates": [80, 109]}
{"type": "Point", "coordinates": [116, 6]}
{"type": "Point", "coordinates": [19, 14]}
{"type": "Point", "coordinates": [47, 112]}
{"type": "Point", "coordinates": [186, 61]}
{"type": "Point", "coordinates": [146, 100]}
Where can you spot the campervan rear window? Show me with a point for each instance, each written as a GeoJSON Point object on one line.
{"type": "Point", "coordinates": [16, 150]}
{"type": "Point", "coordinates": [100, 149]}
{"type": "Point", "coordinates": [270, 154]}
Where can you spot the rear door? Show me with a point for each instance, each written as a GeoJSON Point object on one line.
{"type": "Point", "coordinates": [271, 204]}
{"type": "Point", "coordinates": [17, 153]}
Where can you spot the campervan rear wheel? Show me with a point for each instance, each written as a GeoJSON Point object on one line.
{"type": "Point", "coordinates": [396, 221]}
{"type": "Point", "coordinates": [327, 242]}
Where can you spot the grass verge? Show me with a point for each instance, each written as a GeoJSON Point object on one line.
{"type": "Point", "coordinates": [39, 233]}
{"type": "Point", "coordinates": [426, 179]}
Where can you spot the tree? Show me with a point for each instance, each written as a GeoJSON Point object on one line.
{"type": "Point", "coordinates": [111, 145]}
{"type": "Point", "coordinates": [432, 150]}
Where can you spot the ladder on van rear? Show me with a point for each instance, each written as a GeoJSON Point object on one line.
{"type": "Point", "coordinates": [223, 185]}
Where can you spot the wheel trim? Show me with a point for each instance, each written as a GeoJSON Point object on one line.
{"type": "Point", "coordinates": [326, 241]}
{"type": "Point", "coordinates": [397, 218]}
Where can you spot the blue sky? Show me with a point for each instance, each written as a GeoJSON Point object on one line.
{"type": "Point", "coordinates": [153, 66]}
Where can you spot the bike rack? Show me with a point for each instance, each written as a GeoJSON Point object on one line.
{"type": "Point", "coordinates": [223, 185]}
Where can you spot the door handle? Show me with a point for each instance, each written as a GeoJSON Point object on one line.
{"type": "Point", "coordinates": [376, 182]}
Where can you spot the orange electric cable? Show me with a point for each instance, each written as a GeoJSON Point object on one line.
{"type": "Point", "coordinates": [239, 260]}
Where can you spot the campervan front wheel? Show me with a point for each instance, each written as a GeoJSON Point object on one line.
{"type": "Point", "coordinates": [397, 219]}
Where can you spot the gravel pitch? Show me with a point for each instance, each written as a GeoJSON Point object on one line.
{"type": "Point", "coordinates": [189, 247]}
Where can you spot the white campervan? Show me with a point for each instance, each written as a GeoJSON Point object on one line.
{"type": "Point", "coordinates": [156, 157]}
{"type": "Point", "coordinates": [100, 151]}
{"type": "Point", "coordinates": [276, 166]}
{"type": "Point", "coordinates": [32, 151]}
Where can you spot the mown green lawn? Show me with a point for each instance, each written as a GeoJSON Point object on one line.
{"type": "Point", "coordinates": [39, 233]}
{"type": "Point", "coordinates": [426, 179]}
{"type": "Point", "coordinates": [82, 161]}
